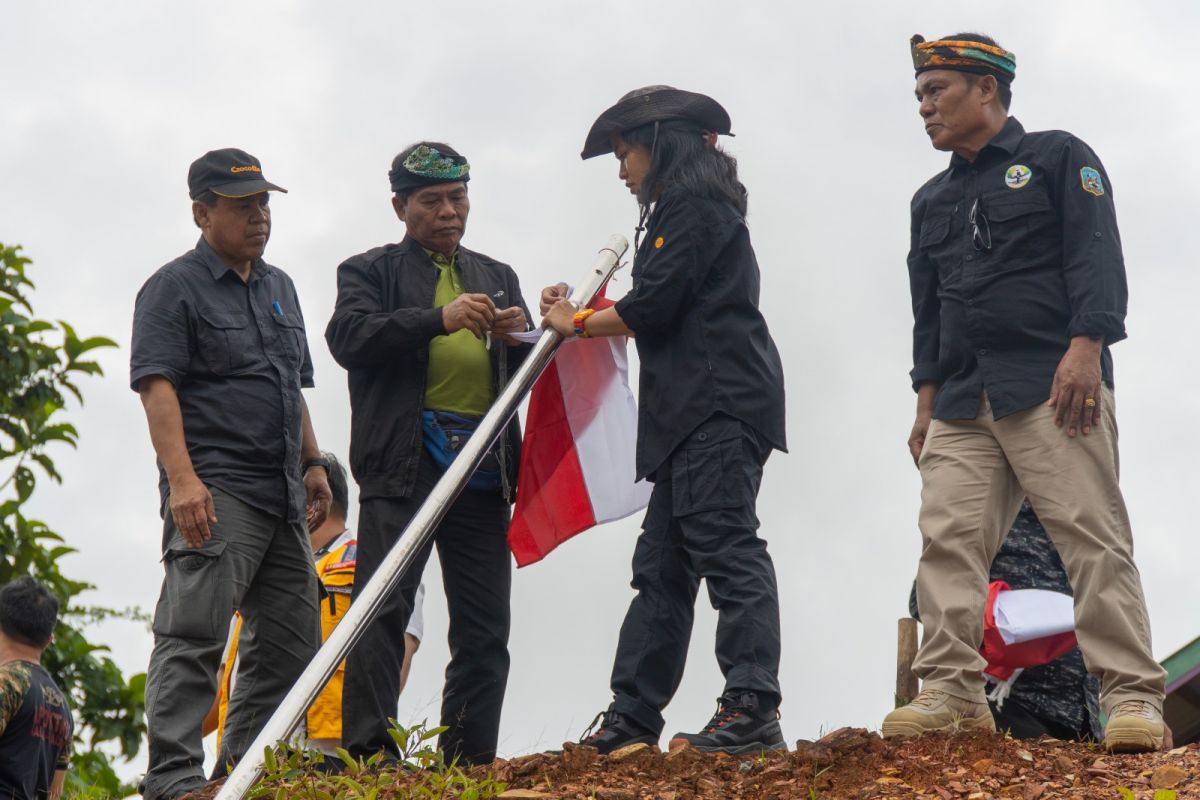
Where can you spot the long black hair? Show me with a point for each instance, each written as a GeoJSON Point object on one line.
{"type": "Point", "coordinates": [680, 157]}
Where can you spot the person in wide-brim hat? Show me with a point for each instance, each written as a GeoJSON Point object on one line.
{"type": "Point", "coordinates": [711, 409]}
{"type": "Point", "coordinates": [652, 104]}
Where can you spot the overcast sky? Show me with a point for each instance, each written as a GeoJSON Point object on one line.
{"type": "Point", "coordinates": [106, 104]}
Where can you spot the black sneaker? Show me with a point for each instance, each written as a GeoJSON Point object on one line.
{"type": "Point", "coordinates": [739, 726]}
{"type": "Point", "coordinates": [615, 731]}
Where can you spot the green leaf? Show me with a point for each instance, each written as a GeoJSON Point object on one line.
{"type": "Point", "coordinates": [1164, 794]}
{"type": "Point", "coordinates": [1126, 794]}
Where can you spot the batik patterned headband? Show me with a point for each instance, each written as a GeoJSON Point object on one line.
{"type": "Point", "coordinates": [963, 55]}
{"type": "Point", "coordinates": [429, 163]}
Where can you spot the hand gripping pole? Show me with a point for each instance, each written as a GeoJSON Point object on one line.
{"type": "Point", "coordinates": [366, 607]}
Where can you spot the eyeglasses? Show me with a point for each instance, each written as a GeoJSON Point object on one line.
{"type": "Point", "coordinates": [981, 231]}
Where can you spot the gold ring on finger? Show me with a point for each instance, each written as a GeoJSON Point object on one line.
{"type": "Point", "coordinates": [1090, 402]}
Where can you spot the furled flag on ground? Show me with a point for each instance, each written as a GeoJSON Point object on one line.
{"type": "Point", "coordinates": [1024, 628]}
{"type": "Point", "coordinates": [577, 458]}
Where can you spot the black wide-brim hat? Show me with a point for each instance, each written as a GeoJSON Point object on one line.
{"type": "Point", "coordinates": [654, 104]}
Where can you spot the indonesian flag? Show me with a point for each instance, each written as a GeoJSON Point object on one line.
{"type": "Point", "coordinates": [577, 459]}
{"type": "Point", "coordinates": [1024, 628]}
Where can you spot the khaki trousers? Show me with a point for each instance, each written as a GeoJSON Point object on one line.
{"type": "Point", "coordinates": [975, 474]}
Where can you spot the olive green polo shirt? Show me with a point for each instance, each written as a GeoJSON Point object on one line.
{"type": "Point", "coordinates": [459, 378]}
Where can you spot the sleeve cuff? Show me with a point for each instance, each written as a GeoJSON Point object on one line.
{"type": "Point", "coordinates": [136, 374]}
{"type": "Point", "coordinates": [432, 324]}
{"type": "Point", "coordinates": [1108, 324]}
{"type": "Point", "coordinates": [924, 372]}
{"type": "Point", "coordinates": [631, 315]}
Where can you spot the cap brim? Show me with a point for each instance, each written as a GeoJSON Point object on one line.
{"type": "Point", "coordinates": [246, 188]}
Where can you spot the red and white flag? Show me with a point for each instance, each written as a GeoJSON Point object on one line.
{"type": "Point", "coordinates": [577, 459]}
{"type": "Point", "coordinates": [1024, 628]}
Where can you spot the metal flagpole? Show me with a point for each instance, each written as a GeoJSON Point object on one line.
{"type": "Point", "coordinates": [367, 605]}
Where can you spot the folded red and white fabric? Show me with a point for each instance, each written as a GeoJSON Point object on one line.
{"type": "Point", "coordinates": [1023, 628]}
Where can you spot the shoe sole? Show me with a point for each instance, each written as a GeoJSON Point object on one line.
{"type": "Point", "coordinates": [1132, 742]}
{"type": "Point", "coordinates": [902, 730]}
{"type": "Point", "coordinates": [740, 750]}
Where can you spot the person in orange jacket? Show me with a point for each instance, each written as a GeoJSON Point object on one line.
{"type": "Point", "coordinates": [334, 553]}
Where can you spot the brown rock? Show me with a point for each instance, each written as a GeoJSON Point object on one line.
{"type": "Point", "coordinates": [982, 766]}
{"type": "Point", "coordinates": [1167, 776]}
{"type": "Point", "coordinates": [526, 765]}
{"type": "Point", "coordinates": [614, 794]}
{"type": "Point", "coordinates": [1034, 790]}
{"type": "Point", "coordinates": [579, 756]}
{"type": "Point", "coordinates": [1064, 764]}
{"type": "Point", "coordinates": [814, 753]}
{"type": "Point", "coordinates": [629, 751]}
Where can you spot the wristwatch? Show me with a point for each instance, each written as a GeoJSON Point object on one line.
{"type": "Point", "coordinates": [314, 462]}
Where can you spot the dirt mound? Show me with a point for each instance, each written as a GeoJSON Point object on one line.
{"type": "Point", "coordinates": [848, 764]}
{"type": "Point", "coordinates": [852, 763]}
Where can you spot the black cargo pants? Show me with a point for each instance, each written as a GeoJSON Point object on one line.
{"type": "Point", "coordinates": [477, 573]}
{"type": "Point", "coordinates": [700, 523]}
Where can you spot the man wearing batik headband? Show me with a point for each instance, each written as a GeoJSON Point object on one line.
{"type": "Point", "coordinates": [422, 327]}
{"type": "Point", "coordinates": [1018, 289]}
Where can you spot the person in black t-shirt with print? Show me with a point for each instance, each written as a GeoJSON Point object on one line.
{"type": "Point", "coordinates": [35, 721]}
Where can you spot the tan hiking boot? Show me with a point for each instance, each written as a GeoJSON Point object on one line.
{"type": "Point", "coordinates": [1134, 726]}
{"type": "Point", "coordinates": [934, 710]}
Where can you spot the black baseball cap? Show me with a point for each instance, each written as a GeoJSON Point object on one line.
{"type": "Point", "coordinates": [229, 173]}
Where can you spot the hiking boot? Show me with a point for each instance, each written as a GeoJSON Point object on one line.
{"type": "Point", "coordinates": [1134, 726]}
{"type": "Point", "coordinates": [934, 710]}
{"type": "Point", "coordinates": [614, 732]}
{"type": "Point", "coordinates": [741, 725]}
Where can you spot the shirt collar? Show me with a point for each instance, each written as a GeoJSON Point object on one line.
{"type": "Point", "coordinates": [217, 267]}
{"type": "Point", "coordinates": [1007, 140]}
{"type": "Point", "coordinates": [439, 259]}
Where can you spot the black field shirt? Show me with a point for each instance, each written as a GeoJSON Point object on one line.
{"type": "Point", "coordinates": [995, 311]}
{"type": "Point", "coordinates": [703, 344]}
{"type": "Point", "coordinates": [237, 355]}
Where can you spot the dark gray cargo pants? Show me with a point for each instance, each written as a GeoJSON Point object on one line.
{"type": "Point", "coordinates": [256, 563]}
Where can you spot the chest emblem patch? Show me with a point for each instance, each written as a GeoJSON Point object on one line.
{"type": "Point", "coordinates": [1091, 180]}
{"type": "Point", "coordinates": [1017, 176]}
{"type": "Point", "coordinates": [658, 243]}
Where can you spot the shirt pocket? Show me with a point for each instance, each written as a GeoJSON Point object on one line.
{"type": "Point", "coordinates": [291, 338]}
{"type": "Point", "coordinates": [225, 340]}
{"type": "Point", "coordinates": [1022, 224]}
{"type": "Point", "coordinates": [935, 243]}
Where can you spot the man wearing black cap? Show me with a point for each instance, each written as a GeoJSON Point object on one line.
{"type": "Point", "coordinates": [418, 325]}
{"type": "Point", "coordinates": [1018, 289]}
{"type": "Point", "coordinates": [219, 357]}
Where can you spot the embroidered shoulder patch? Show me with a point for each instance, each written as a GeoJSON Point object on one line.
{"type": "Point", "coordinates": [1017, 176]}
{"type": "Point", "coordinates": [1091, 180]}
{"type": "Point", "coordinates": [658, 243]}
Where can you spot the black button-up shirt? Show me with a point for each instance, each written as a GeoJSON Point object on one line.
{"type": "Point", "coordinates": [704, 345]}
{"type": "Point", "coordinates": [237, 356]}
{"type": "Point", "coordinates": [997, 300]}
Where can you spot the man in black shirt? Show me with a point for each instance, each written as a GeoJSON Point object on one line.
{"type": "Point", "coordinates": [219, 356]}
{"type": "Point", "coordinates": [1018, 289]}
{"type": "Point", "coordinates": [35, 721]}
